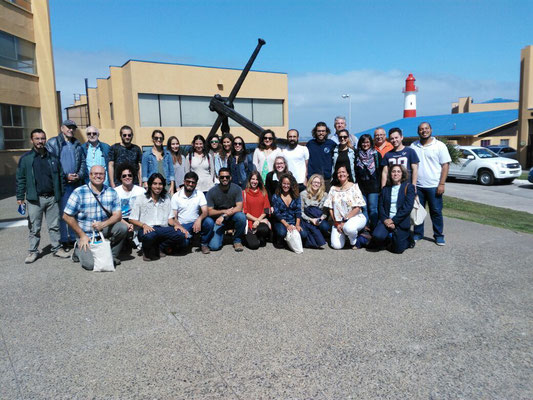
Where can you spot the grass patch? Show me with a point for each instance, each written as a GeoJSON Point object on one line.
{"type": "Point", "coordinates": [524, 175]}
{"type": "Point", "coordinates": [488, 215]}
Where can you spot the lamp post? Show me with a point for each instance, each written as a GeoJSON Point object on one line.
{"type": "Point", "coordinates": [347, 96]}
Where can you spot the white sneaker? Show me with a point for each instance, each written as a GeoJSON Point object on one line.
{"type": "Point", "coordinates": [31, 258]}
{"type": "Point", "coordinates": [61, 253]}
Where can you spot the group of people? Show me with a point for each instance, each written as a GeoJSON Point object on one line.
{"type": "Point", "coordinates": [348, 191]}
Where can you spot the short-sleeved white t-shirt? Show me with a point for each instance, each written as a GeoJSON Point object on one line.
{"type": "Point", "coordinates": [127, 199]}
{"type": "Point", "coordinates": [188, 207]}
{"type": "Point", "coordinates": [431, 156]}
{"type": "Point", "coordinates": [296, 158]}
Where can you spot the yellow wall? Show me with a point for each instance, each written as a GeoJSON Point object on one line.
{"type": "Point", "coordinates": [466, 105]}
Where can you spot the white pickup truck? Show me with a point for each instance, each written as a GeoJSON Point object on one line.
{"type": "Point", "coordinates": [485, 166]}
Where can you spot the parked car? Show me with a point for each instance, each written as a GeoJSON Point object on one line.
{"type": "Point", "coordinates": [483, 165]}
{"type": "Point", "coordinates": [530, 176]}
{"type": "Point", "coordinates": [504, 151]}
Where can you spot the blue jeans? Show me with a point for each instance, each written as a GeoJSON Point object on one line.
{"type": "Point", "coordinates": [206, 232]}
{"type": "Point", "coordinates": [236, 221]}
{"type": "Point", "coordinates": [281, 231]}
{"type": "Point", "coordinates": [371, 200]}
{"type": "Point", "coordinates": [429, 195]}
{"type": "Point", "coordinates": [163, 237]}
{"type": "Point", "coordinates": [66, 233]}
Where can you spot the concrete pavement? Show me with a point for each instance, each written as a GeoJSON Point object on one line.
{"type": "Point", "coordinates": [433, 323]}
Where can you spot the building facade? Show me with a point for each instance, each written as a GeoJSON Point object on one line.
{"type": "Point", "coordinates": [175, 98]}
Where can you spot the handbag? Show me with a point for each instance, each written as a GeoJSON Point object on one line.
{"type": "Point", "coordinates": [294, 241]}
{"type": "Point", "coordinates": [102, 256]}
{"type": "Point", "coordinates": [418, 213]}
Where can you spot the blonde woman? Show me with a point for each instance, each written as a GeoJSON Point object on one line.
{"type": "Point", "coordinates": [314, 216]}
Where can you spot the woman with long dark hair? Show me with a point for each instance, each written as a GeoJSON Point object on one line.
{"type": "Point", "coordinates": [265, 153]}
{"type": "Point", "coordinates": [157, 159]}
{"type": "Point", "coordinates": [368, 175]}
{"type": "Point", "coordinates": [213, 146]}
{"type": "Point", "coordinates": [201, 162]}
{"type": "Point", "coordinates": [344, 154]}
{"type": "Point", "coordinates": [221, 158]}
{"type": "Point", "coordinates": [181, 165]}
{"type": "Point", "coordinates": [151, 215]}
{"type": "Point", "coordinates": [240, 163]}
{"type": "Point", "coordinates": [255, 206]}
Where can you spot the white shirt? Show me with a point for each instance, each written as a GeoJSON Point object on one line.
{"type": "Point", "coordinates": [188, 208]}
{"type": "Point", "coordinates": [297, 158]}
{"type": "Point", "coordinates": [431, 156]}
{"type": "Point", "coordinates": [150, 213]}
{"type": "Point", "coordinates": [260, 158]}
{"type": "Point", "coordinates": [127, 199]}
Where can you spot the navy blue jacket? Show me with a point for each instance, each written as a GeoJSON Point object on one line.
{"type": "Point", "coordinates": [404, 205]}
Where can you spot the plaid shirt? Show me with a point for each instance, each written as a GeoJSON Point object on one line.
{"type": "Point", "coordinates": [82, 205]}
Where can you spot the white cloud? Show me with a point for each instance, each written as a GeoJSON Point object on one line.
{"type": "Point", "coordinates": [377, 96]}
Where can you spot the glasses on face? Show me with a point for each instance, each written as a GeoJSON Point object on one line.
{"type": "Point", "coordinates": [214, 141]}
{"type": "Point", "coordinates": [127, 176]}
{"type": "Point", "coordinates": [72, 127]}
{"type": "Point", "coordinates": [92, 133]}
{"type": "Point", "coordinates": [343, 137]}
{"type": "Point", "coordinates": [224, 177]}
{"type": "Point", "coordinates": [237, 143]}
{"type": "Point", "coordinates": [125, 135]}
{"type": "Point", "coordinates": [268, 138]}
{"type": "Point", "coordinates": [158, 139]}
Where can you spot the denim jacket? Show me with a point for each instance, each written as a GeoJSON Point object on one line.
{"type": "Point", "coordinates": [351, 157]}
{"type": "Point", "coordinates": [149, 165]}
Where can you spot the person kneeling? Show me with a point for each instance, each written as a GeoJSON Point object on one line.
{"type": "Point", "coordinates": [152, 214]}
{"type": "Point", "coordinates": [395, 204]}
{"type": "Point", "coordinates": [256, 206]}
{"type": "Point", "coordinates": [224, 203]}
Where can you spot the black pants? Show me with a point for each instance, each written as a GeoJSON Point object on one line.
{"type": "Point", "coordinates": [258, 239]}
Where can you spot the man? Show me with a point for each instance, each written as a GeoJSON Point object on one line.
{"type": "Point", "coordinates": [40, 182]}
{"type": "Point", "coordinates": [399, 155]}
{"type": "Point", "coordinates": [96, 152]}
{"type": "Point", "coordinates": [191, 213]}
{"type": "Point", "coordinates": [297, 156]}
{"type": "Point", "coordinates": [340, 124]}
{"type": "Point", "coordinates": [125, 153]}
{"type": "Point", "coordinates": [320, 152]}
{"type": "Point", "coordinates": [432, 173]}
{"type": "Point", "coordinates": [95, 206]}
{"type": "Point", "coordinates": [224, 204]}
{"type": "Point", "coordinates": [381, 144]}
{"type": "Point", "coordinates": [68, 150]}
{"type": "Point", "coordinates": [153, 215]}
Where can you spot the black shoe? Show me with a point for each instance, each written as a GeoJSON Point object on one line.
{"type": "Point", "coordinates": [116, 261]}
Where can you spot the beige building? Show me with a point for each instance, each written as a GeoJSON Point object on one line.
{"type": "Point", "coordinates": [175, 98]}
{"type": "Point", "coordinates": [28, 97]}
{"type": "Point", "coordinates": [467, 105]}
{"type": "Point", "coordinates": [525, 110]}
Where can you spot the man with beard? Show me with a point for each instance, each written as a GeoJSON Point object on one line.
{"type": "Point", "coordinates": [40, 183]}
{"type": "Point", "coordinates": [320, 153]}
{"type": "Point", "coordinates": [190, 212]}
{"type": "Point", "coordinates": [297, 157]}
{"type": "Point", "coordinates": [125, 153]}
{"type": "Point", "coordinates": [340, 125]}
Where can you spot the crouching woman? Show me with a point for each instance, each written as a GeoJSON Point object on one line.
{"type": "Point", "coordinates": [395, 204]}
{"type": "Point", "coordinates": [152, 213]}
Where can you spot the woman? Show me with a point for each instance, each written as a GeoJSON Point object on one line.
{"type": "Point", "coordinates": [368, 174]}
{"type": "Point", "coordinates": [151, 215]}
{"type": "Point", "coordinates": [255, 203]}
{"type": "Point", "coordinates": [240, 163]}
{"type": "Point", "coordinates": [180, 162]}
{"type": "Point", "coordinates": [287, 209]}
{"type": "Point", "coordinates": [214, 145]}
{"type": "Point", "coordinates": [221, 158]}
{"type": "Point", "coordinates": [395, 205]}
{"type": "Point", "coordinates": [344, 154]}
{"type": "Point", "coordinates": [345, 202]}
{"type": "Point", "coordinates": [313, 214]}
{"type": "Point", "coordinates": [265, 153]}
{"type": "Point", "coordinates": [201, 162]}
{"type": "Point", "coordinates": [281, 166]}
{"type": "Point", "coordinates": [157, 159]}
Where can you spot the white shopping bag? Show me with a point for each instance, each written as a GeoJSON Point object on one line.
{"type": "Point", "coordinates": [418, 213]}
{"type": "Point", "coordinates": [101, 250]}
{"type": "Point", "coordinates": [294, 241]}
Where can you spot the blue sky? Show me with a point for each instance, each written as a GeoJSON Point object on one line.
{"type": "Point", "coordinates": [364, 48]}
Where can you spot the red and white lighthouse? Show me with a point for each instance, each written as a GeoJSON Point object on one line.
{"type": "Point", "coordinates": [409, 109]}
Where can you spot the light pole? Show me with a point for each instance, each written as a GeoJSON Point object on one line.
{"type": "Point", "coordinates": [347, 96]}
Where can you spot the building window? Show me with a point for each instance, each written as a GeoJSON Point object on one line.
{"type": "Point", "coordinates": [79, 114]}
{"type": "Point", "coordinates": [485, 143]}
{"type": "Point", "coordinates": [16, 123]}
{"type": "Point", "coordinates": [171, 110]}
{"type": "Point", "coordinates": [17, 53]}
{"type": "Point", "coordinates": [504, 142]}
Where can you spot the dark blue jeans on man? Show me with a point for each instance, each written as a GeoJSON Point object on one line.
{"type": "Point", "coordinates": [237, 221]}
{"type": "Point", "coordinates": [206, 232]}
{"type": "Point", "coordinates": [161, 239]}
{"type": "Point", "coordinates": [429, 196]}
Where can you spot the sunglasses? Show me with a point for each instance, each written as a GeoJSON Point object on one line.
{"type": "Point", "coordinates": [238, 143]}
{"type": "Point", "coordinates": [158, 139]}
{"type": "Point", "coordinates": [92, 133]}
{"type": "Point", "coordinates": [214, 141]}
{"type": "Point", "coordinates": [127, 135]}
{"type": "Point", "coordinates": [343, 137]}
{"type": "Point", "coordinates": [127, 176]}
{"type": "Point", "coordinates": [268, 138]}
{"type": "Point", "coordinates": [224, 177]}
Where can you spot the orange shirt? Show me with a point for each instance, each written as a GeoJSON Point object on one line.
{"type": "Point", "coordinates": [385, 148]}
{"type": "Point", "coordinates": [254, 203]}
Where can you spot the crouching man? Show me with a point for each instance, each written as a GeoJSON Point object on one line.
{"type": "Point", "coordinates": [190, 212]}
{"type": "Point", "coordinates": [95, 207]}
{"type": "Point", "coordinates": [153, 215]}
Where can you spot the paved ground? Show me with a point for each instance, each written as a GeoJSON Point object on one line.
{"type": "Point", "coordinates": [433, 323]}
{"type": "Point", "coordinates": [517, 196]}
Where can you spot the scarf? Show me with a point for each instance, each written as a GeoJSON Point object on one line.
{"type": "Point", "coordinates": [366, 159]}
